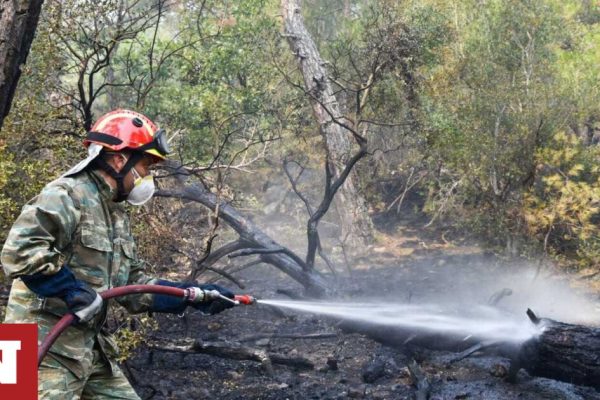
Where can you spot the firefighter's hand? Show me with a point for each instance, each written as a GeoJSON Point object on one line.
{"type": "Point", "coordinates": [81, 300]}
{"type": "Point", "coordinates": [84, 302]}
{"type": "Point", "coordinates": [203, 300]}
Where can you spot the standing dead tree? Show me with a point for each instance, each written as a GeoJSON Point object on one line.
{"type": "Point", "coordinates": [336, 130]}
{"type": "Point", "coordinates": [18, 22]}
{"type": "Point", "coordinates": [332, 186]}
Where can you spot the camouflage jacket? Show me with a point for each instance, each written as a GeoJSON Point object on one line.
{"type": "Point", "coordinates": [73, 221]}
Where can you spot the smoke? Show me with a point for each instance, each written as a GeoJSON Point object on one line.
{"type": "Point", "coordinates": [549, 296]}
{"type": "Point", "coordinates": [456, 299]}
{"type": "Point", "coordinates": [471, 283]}
{"type": "Point", "coordinates": [458, 283]}
{"type": "Point", "coordinates": [483, 300]}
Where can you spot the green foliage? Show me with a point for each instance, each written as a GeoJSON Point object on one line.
{"type": "Point", "coordinates": [377, 57]}
{"type": "Point", "coordinates": [220, 84]}
{"type": "Point", "coordinates": [562, 208]}
{"type": "Point", "coordinates": [38, 138]}
{"type": "Point", "coordinates": [503, 90]}
{"type": "Point", "coordinates": [128, 339]}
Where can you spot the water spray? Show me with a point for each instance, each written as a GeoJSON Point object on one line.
{"type": "Point", "coordinates": [482, 322]}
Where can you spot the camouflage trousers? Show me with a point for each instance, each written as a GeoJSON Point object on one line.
{"type": "Point", "coordinates": [56, 382]}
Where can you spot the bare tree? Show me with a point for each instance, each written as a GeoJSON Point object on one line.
{"type": "Point", "coordinates": [337, 131]}
{"type": "Point", "coordinates": [18, 22]}
{"type": "Point", "coordinates": [91, 37]}
{"type": "Point", "coordinates": [94, 34]}
{"type": "Point", "coordinates": [332, 186]}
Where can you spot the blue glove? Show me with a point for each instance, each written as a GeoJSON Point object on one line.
{"type": "Point", "coordinates": [81, 300]}
{"type": "Point", "coordinates": [170, 304]}
{"type": "Point", "coordinates": [176, 305]}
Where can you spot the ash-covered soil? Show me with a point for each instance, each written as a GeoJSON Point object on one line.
{"type": "Point", "coordinates": [349, 365]}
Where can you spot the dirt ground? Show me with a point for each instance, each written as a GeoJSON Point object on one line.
{"type": "Point", "coordinates": [346, 365]}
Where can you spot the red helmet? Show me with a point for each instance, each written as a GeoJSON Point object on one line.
{"type": "Point", "coordinates": [124, 129]}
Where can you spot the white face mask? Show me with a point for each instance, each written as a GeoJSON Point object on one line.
{"type": "Point", "coordinates": [143, 189]}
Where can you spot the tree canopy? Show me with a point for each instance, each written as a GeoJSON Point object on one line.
{"type": "Point", "coordinates": [483, 115]}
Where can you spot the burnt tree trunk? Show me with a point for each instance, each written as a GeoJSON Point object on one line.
{"type": "Point", "coordinates": [18, 22]}
{"type": "Point", "coordinates": [357, 226]}
{"type": "Point", "coordinates": [569, 353]}
{"type": "Point", "coordinates": [565, 352]}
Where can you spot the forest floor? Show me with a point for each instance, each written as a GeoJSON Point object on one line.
{"type": "Point", "coordinates": [410, 264]}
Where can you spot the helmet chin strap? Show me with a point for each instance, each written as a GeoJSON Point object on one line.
{"type": "Point", "coordinates": [119, 177]}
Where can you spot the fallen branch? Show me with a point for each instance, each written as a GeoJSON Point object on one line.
{"type": "Point", "coordinates": [471, 350]}
{"type": "Point", "coordinates": [283, 250]}
{"type": "Point", "coordinates": [231, 350]}
{"type": "Point", "coordinates": [327, 335]}
{"type": "Point", "coordinates": [201, 266]}
{"type": "Point", "coordinates": [252, 252]}
{"type": "Point", "coordinates": [227, 276]}
{"type": "Point", "coordinates": [499, 295]}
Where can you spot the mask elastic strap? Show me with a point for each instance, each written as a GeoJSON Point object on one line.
{"type": "Point", "coordinates": [118, 176]}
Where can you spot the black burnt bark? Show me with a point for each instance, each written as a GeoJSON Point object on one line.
{"type": "Point", "coordinates": [566, 352]}
{"type": "Point", "coordinates": [18, 22]}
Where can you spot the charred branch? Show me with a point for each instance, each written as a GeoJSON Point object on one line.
{"type": "Point", "coordinates": [288, 252]}
{"type": "Point", "coordinates": [326, 335]}
{"type": "Point", "coordinates": [331, 187]}
{"type": "Point", "coordinates": [215, 256]}
{"type": "Point", "coordinates": [471, 350]}
{"type": "Point", "coordinates": [419, 380]}
{"type": "Point", "coordinates": [227, 276]}
{"type": "Point", "coordinates": [498, 296]}
{"type": "Point", "coordinates": [249, 233]}
{"type": "Point", "coordinates": [232, 350]}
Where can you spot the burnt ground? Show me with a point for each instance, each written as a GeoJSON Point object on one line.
{"type": "Point", "coordinates": [346, 365]}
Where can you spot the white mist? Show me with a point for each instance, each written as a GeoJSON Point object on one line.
{"type": "Point", "coordinates": [482, 322]}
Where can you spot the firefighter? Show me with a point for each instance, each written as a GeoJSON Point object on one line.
{"type": "Point", "coordinates": [74, 240]}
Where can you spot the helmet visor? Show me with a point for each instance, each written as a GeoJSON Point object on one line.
{"type": "Point", "coordinates": [159, 143]}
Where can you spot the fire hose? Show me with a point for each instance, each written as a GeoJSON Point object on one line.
{"type": "Point", "coordinates": [69, 318]}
